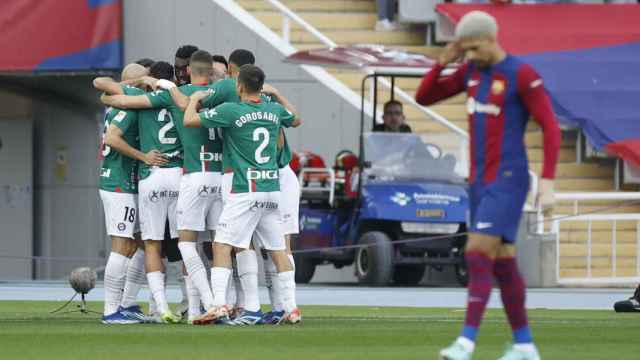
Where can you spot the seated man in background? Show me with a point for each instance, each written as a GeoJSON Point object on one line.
{"type": "Point", "coordinates": [393, 118]}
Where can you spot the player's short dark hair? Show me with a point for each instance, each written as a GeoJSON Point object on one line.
{"type": "Point", "coordinates": [185, 51]}
{"type": "Point", "coordinates": [251, 77]}
{"type": "Point", "coordinates": [201, 63]}
{"type": "Point", "coordinates": [391, 103]}
{"type": "Point", "coordinates": [146, 62]}
{"type": "Point", "coordinates": [161, 70]}
{"type": "Point", "coordinates": [241, 57]}
{"type": "Point", "coordinates": [201, 56]}
{"type": "Point", "coordinates": [220, 59]}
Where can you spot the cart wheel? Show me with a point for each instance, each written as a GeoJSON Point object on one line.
{"type": "Point", "coordinates": [305, 268]}
{"type": "Point", "coordinates": [374, 263]}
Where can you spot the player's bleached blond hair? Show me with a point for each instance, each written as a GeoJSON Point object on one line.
{"type": "Point", "coordinates": [134, 71]}
{"type": "Point", "coordinates": [476, 24]}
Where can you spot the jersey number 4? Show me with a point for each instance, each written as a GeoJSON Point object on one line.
{"type": "Point", "coordinates": [162, 134]}
{"type": "Point", "coordinates": [264, 134]}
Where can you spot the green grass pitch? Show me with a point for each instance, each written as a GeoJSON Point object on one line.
{"type": "Point", "coordinates": [28, 331]}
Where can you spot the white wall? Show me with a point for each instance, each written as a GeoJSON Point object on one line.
{"type": "Point", "coordinates": [16, 198]}
{"type": "Point", "coordinates": [68, 213]}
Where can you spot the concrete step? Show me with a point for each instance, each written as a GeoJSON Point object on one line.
{"type": "Point", "coordinates": [349, 37]}
{"type": "Point", "coordinates": [605, 250]}
{"type": "Point", "coordinates": [322, 21]}
{"type": "Point", "coordinates": [312, 5]}
{"type": "Point", "coordinates": [567, 209]}
{"type": "Point", "coordinates": [564, 170]}
{"type": "Point", "coordinates": [600, 263]}
{"type": "Point", "coordinates": [582, 184]}
{"type": "Point", "coordinates": [582, 273]}
{"type": "Point", "coordinates": [599, 236]}
{"type": "Point", "coordinates": [566, 155]}
{"type": "Point", "coordinates": [626, 225]}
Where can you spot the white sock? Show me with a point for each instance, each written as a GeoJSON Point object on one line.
{"type": "Point", "coordinates": [153, 307]}
{"type": "Point", "coordinates": [525, 347]}
{"type": "Point", "coordinates": [194, 298]}
{"type": "Point", "coordinates": [114, 277]}
{"type": "Point", "coordinates": [248, 274]}
{"type": "Point", "coordinates": [287, 283]}
{"type": "Point", "coordinates": [156, 286]}
{"type": "Point", "coordinates": [270, 279]}
{"type": "Point", "coordinates": [181, 281]}
{"type": "Point", "coordinates": [219, 282]}
{"type": "Point", "coordinates": [466, 343]}
{"type": "Point", "coordinates": [197, 272]}
{"type": "Point", "coordinates": [136, 278]}
{"type": "Point", "coordinates": [238, 286]}
{"type": "Point", "coordinates": [231, 292]}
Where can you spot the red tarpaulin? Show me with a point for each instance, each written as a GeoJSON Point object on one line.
{"type": "Point", "coordinates": [525, 29]}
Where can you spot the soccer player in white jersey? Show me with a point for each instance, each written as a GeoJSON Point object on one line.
{"type": "Point", "coordinates": [124, 273]}
{"type": "Point", "coordinates": [251, 191]}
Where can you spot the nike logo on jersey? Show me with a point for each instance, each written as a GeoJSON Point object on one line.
{"type": "Point", "coordinates": [483, 225]}
{"type": "Point", "coordinates": [472, 83]}
{"type": "Point", "coordinates": [535, 83]}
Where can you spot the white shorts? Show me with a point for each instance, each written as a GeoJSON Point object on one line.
{"type": "Point", "coordinates": [250, 214]}
{"type": "Point", "coordinates": [158, 197]}
{"type": "Point", "coordinates": [120, 213]}
{"type": "Point", "coordinates": [289, 201]}
{"type": "Point", "coordinates": [200, 201]}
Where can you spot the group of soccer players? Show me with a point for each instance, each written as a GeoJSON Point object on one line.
{"type": "Point", "coordinates": [191, 148]}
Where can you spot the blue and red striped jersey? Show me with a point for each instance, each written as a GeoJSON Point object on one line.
{"type": "Point", "coordinates": [500, 100]}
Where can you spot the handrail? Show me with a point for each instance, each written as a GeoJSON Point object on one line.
{"type": "Point", "coordinates": [598, 196]}
{"type": "Point", "coordinates": [288, 14]}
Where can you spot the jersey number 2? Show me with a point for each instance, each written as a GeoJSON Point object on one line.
{"type": "Point", "coordinates": [257, 134]}
{"type": "Point", "coordinates": [162, 134]}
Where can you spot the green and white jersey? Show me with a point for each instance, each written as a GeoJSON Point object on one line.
{"type": "Point", "coordinates": [221, 92]}
{"type": "Point", "coordinates": [225, 91]}
{"type": "Point", "coordinates": [118, 172]}
{"type": "Point", "coordinates": [284, 153]}
{"type": "Point", "coordinates": [250, 142]}
{"type": "Point", "coordinates": [202, 147]}
{"type": "Point", "coordinates": [158, 131]}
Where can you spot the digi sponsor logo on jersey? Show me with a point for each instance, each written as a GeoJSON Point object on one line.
{"type": "Point", "coordinates": [262, 174]}
{"type": "Point", "coordinates": [104, 172]}
{"type": "Point", "coordinates": [208, 156]}
{"type": "Point", "coordinates": [257, 116]}
{"type": "Point", "coordinates": [157, 195]}
{"type": "Point", "coordinates": [474, 106]}
{"type": "Point", "coordinates": [263, 205]}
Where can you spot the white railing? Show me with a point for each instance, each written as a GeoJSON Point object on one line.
{"type": "Point", "coordinates": [589, 219]}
